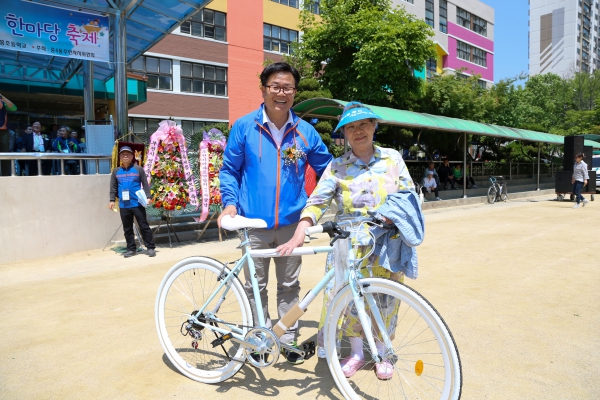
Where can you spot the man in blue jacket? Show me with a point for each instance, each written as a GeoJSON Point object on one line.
{"type": "Point", "coordinates": [125, 181]}
{"type": "Point", "coordinates": [263, 177]}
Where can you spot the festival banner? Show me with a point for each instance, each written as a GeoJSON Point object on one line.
{"type": "Point", "coordinates": [35, 28]}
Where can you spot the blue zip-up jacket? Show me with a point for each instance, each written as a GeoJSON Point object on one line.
{"type": "Point", "coordinates": [131, 178]}
{"type": "Point", "coordinates": [255, 177]}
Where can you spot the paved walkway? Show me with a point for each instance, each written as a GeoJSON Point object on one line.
{"type": "Point", "coordinates": [516, 282]}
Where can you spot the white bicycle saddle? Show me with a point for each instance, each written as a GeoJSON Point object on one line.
{"type": "Point", "coordinates": [239, 222]}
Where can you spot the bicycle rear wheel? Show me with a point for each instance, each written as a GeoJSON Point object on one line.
{"type": "Point", "coordinates": [491, 195]}
{"type": "Point", "coordinates": [504, 193]}
{"type": "Point", "coordinates": [424, 356]}
{"type": "Point", "coordinates": [187, 287]}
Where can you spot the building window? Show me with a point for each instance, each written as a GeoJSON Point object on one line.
{"type": "Point", "coordinates": [410, 1]}
{"type": "Point", "coordinates": [158, 70]}
{"type": "Point", "coordinates": [443, 16]}
{"type": "Point", "coordinates": [470, 53]}
{"type": "Point", "coordinates": [482, 84]}
{"type": "Point", "coordinates": [431, 68]}
{"type": "Point", "coordinates": [192, 127]}
{"type": "Point", "coordinates": [278, 39]}
{"type": "Point", "coordinates": [143, 126]}
{"type": "Point", "coordinates": [314, 6]}
{"type": "Point", "coordinates": [471, 22]}
{"type": "Point", "coordinates": [207, 24]}
{"type": "Point", "coordinates": [291, 3]}
{"type": "Point", "coordinates": [205, 79]}
{"type": "Point", "coordinates": [429, 19]}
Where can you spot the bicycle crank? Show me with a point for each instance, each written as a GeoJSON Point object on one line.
{"type": "Point", "coordinates": [265, 347]}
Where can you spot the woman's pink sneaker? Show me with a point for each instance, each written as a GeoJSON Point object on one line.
{"type": "Point", "coordinates": [350, 365]}
{"type": "Point", "coordinates": [384, 370]}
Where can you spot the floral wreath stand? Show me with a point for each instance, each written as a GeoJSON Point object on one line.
{"type": "Point", "coordinates": [210, 161]}
{"type": "Point", "coordinates": [170, 176]}
{"type": "Point", "coordinates": [167, 217]}
{"type": "Point", "coordinates": [213, 216]}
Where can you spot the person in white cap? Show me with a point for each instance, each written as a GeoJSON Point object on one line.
{"type": "Point", "coordinates": [125, 181]}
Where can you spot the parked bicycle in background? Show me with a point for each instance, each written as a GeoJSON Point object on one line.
{"type": "Point", "coordinates": [498, 190]}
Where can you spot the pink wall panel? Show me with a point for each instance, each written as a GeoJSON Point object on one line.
{"type": "Point", "coordinates": [470, 36]}
{"type": "Point", "coordinates": [452, 61]}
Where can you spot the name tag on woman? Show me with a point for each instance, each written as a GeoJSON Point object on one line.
{"type": "Point", "coordinates": [125, 195]}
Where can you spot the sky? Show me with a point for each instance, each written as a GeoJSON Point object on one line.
{"type": "Point", "coordinates": [510, 37]}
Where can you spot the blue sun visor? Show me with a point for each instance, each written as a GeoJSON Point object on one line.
{"type": "Point", "coordinates": [355, 114]}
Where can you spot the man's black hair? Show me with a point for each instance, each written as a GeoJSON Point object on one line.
{"type": "Point", "coordinates": [277, 68]}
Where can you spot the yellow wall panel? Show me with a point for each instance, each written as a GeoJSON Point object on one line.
{"type": "Point", "coordinates": [218, 5]}
{"type": "Point", "coordinates": [440, 59]}
{"type": "Point", "coordinates": [280, 15]}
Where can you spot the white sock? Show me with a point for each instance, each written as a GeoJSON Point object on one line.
{"type": "Point", "coordinates": [356, 348]}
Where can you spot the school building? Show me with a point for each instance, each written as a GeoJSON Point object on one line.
{"type": "Point", "coordinates": [207, 70]}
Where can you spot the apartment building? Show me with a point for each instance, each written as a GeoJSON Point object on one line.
{"type": "Point", "coordinates": [563, 36]}
{"type": "Point", "coordinates": [464, 36]}
{"type": "Point", "coordinates": [207, 70]}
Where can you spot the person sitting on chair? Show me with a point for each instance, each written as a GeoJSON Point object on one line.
{"type": "Point", "coordinates": [431, 170]}
{"type": "Point", "coordinates": [446, 175]}
{"type": "Point", "coordinates": [430, 185]}
{"type": "Point", "coordinates": [458, 177]}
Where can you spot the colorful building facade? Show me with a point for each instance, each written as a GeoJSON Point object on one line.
{"type": "Point", "coordinates": [207, 70]}
{"type": "Point", "coordinates": [464, 36]}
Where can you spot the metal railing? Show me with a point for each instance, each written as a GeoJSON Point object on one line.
{"type": "Point", "coordinates": [85, 160]}
{"type": "Point", "coordinates": [482, 168]}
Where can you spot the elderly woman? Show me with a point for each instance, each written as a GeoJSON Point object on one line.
{"type": "Point", "coordinates": [359, 181]}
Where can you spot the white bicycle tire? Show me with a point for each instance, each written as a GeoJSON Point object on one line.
{"type": "Point", "coordinates": [165, 330]}
{"type": "Point", "coordinates": [452, 369]}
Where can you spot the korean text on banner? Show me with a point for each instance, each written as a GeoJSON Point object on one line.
{"type": "Point", "coordinates": [36, 28]}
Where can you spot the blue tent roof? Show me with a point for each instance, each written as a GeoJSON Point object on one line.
{"type": "Point", "coordinates": [148, 22]}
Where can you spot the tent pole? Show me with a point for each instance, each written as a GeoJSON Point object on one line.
{"type": "Point", "coordinates": [465, 166]}
{"type": "Point", "coordinates": [538, 167]}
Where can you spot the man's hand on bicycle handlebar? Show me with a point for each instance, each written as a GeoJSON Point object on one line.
{"type": "Point", "coordinates": [297, 240]}
{"type": "Point", "coordinates": [229, 210]}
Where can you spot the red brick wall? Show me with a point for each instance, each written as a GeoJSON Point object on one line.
{"type": "Point", "coordinates": [171, 104]}
{"type": "Point", "coordinates": [189, 47]}
{"type": "Point", "coordinates": [245, 37]}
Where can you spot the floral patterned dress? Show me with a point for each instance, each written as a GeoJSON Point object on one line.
{"type": "Point", "coordinates": [358, 188]}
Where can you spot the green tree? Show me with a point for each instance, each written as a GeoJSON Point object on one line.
{"type": "Point", "coordinates": [547, 99]}
{"type": "Point", "coordinates": [365, 50]}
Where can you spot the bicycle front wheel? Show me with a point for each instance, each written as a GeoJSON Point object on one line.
{"type": "Point", "coordinates": [183, 291]}
{"type": "Point", "coordinates": [491, 195]}
{"type": "Point", "coordinates": [425, 360]}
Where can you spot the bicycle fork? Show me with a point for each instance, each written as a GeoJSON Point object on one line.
{"type": "Point", "coordinates": [359, 302]}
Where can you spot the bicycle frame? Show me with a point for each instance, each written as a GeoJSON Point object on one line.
{"type": "Point", "coordinates": [354, 278]}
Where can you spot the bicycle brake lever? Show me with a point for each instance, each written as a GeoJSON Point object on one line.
{"type": "Point", "coordinates": [340, 235]}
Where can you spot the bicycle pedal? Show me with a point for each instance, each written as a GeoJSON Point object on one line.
{"type": "Point", "coordinates": [309, 348]}
{"type": "Point", "coordinates": [222, 339]}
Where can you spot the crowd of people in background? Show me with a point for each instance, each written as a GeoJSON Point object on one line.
{"type": "Point", "coordinates": [33, 139]}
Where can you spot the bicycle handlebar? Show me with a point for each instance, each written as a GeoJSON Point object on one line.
{"type": "Point", "coordinates": [331, 227]}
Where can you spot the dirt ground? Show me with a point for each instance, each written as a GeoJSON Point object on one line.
{"type": "Point", "coordinates": [516, 282]}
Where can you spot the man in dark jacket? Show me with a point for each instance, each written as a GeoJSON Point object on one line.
{"type": "Point", "coordinates": [125, 181]}
{"type": "Point", "coordinates": [446, 175]}
{"type": "Point", "coordinates": [37, 142]}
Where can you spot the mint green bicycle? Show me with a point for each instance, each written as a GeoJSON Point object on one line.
{"type": "Point", "coordinates": [207, 329]}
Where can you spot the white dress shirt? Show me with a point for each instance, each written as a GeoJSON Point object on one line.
{"type": "Point", "coordinates": [275, 132]}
